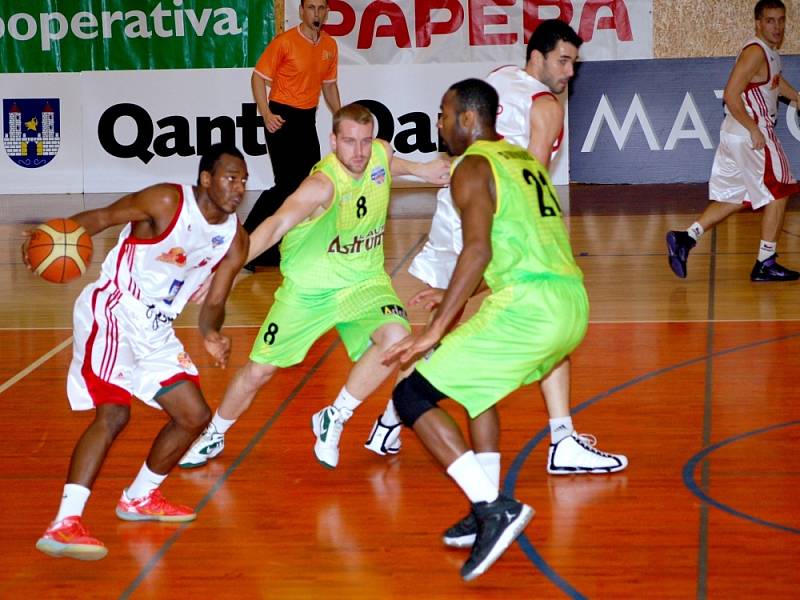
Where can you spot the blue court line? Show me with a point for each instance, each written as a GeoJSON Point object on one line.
{"type": "Point", "coordinates": [509, 484]}
{"type": "Point", "coordinates": [708, 405]}
{"type": "Point", "coordinates": [691, 465]}
{"type": "Point", "coordinates": [165, 547]}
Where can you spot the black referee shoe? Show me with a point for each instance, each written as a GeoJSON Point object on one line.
{"type": "Point", "coordinates": [499, 524]}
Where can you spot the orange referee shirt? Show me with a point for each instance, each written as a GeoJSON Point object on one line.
{"type": "Point", "coordinates": [296, 67]}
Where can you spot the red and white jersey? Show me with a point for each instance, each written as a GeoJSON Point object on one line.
{"type": "Point", "coordinates": [165, 271]}
{"type": "Point", "coordinates": [517, 91]}
{"type": "Point", "coordinates": [760, 98]}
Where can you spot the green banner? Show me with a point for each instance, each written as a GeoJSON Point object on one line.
{"type": "Point", "coordinates": [47, 36]}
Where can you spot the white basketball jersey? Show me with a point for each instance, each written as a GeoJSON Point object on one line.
{"type": "Point", "coordinates": [517, 91]}
{"type": "Point", "coordinates": [761, 98]}
{"type": "Point", "coordinates": [164, 272]}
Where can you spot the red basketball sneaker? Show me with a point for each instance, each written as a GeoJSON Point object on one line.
{"type": "Point", "coordinates": [153, 507]}
{"type": "Point", "coordinates": [69, 537]}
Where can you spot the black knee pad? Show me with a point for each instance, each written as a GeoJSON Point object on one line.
{"type": "Point", "coordinates": [413, 397]}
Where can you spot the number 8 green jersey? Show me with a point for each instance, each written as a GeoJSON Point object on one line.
{"type": "Point", "coordinates": [343, 245]}
{"type": "Point", "coordinates": [529, 239]}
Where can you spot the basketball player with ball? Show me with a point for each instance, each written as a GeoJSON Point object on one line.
{"type": "Point", "coordinates": [124, 344]}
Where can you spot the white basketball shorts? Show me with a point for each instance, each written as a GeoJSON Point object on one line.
{"type": "Point", "coordinates": [741, 173]}
{"type": "Point", "coordinates": [122, 348]}
{"type": "Point", "coordinates": [436, 261]}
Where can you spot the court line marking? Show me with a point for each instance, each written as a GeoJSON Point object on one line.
{"type": "Point", "coordinates": [691, 465]}
{"type": "Point", "coordinates": [708, 391]}
{"type": "Point", "coordinates": [35, 365]}
{"type": "Point", "coordinates": [257, 437]}
{"type": "Point", "coordinates": [510, 481]}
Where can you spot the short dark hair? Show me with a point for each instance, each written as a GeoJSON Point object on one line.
{"type": "Point", "coordinates": [210, 157]}
{"type": "Point", "coordinates": [762, 5]}
{"type": "Point", "coordinates": [479, 96]}
{"type": "Point", "coordinates": [547, 35]}
{"type": "Point", "coordinates": [352, 112]}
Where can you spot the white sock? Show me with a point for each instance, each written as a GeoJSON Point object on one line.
{"type": "Point", "coordinates": [695, 231]}
{"type": "Point", "coordinates": [73, 501]}
{"type": "Point", "coordinates": [467, 472]}
{"type": "Point", "coordinates": [220, 424]}
{"type": "Point", "coordinates": [560, 428]}
{"type": "Point", "coordinates": [766, 249]}
{"type": "Point", "coordinates": [347, 401]}
{"type": "Point", "coordinates": [390, 418]}
{"type": "Point", "coordinates": [146, 481]}
{"type": "Point", "coordinates": [490, 461]}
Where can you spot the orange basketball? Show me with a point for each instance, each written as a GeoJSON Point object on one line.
{"type": "Point", "coordinates": [59, 250]}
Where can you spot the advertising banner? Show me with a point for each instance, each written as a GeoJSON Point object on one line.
{"type": "Point", "coordinates": [42, 138]}
{"type": "Point", "coordinates": [138, 128]}
{"type": "Point", "coordinates": [41, 36]}
{"type": "Point", "coordinates": [657, 121]}
{"type": "Point", "coordinates": [454, 31]}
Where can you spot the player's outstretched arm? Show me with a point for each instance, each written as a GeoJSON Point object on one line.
{"type": "Point", "coordinates": [153, 206]}
{"type": "Point", "coordinates": [311, 198]}
{"type": "Point", "coordinates": [212, 314]}
{"type": "Point", "coordinates": [472, 188]}
{"type": "Point", "coordinates": [436, 171]}
{"type": "Point", "coordinates": [152, 209]}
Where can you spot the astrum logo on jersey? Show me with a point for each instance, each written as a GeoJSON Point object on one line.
{"type": "Point", "coordinates": [378, 175]}
{"type": "Point", "coordinates": [360, 243]}
{"type": "Point", "coordinates": [176, 256]}
{"type": "Point", "coordinates": [31, 130]}
{"type": "Point", "coordinates": [217, 240]}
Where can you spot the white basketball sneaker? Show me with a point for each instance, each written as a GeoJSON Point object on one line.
{"type": "Point", "coordinates": [327, 426]}
{"type": "Point", "coordinates": [207, 446]}
{"type": "Point", "coordinates": [577, 454]}
{"type": "Point", "coordinates": [384, 439]}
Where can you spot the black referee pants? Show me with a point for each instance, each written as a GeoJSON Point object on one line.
{"type": "Point", "coordinates": [293, 150]}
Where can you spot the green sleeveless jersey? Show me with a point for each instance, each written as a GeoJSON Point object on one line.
{"type": "Point", "coordinates": [529, 240]}
{"type": "Point", "coordinates": [343, 245]}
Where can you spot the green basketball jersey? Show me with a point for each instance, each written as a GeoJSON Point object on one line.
{"type": "Point", "coordinates": [343, 245]}
{"type": "Point", "coordinates": [529, 240]}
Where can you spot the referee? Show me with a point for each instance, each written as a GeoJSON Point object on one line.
{"type": "Point", "coordinates": [286, 83]}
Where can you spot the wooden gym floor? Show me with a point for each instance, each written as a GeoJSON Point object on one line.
{"type": "Point", "coordinates": [695, 380]}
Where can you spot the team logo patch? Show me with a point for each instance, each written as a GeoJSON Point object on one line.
{"type": "Point", "coordinates": [31, 130]}
{"type": "Point", "coordinates": [378, 175]}
{"type": "Point", "coordinates": [185, 361]}
{"type": "Point", "coordinates": [176, 256]}
{"type": "Point", "coordinates": [394, 309]}
{"type": "Point", "coordinates": [217, 240]}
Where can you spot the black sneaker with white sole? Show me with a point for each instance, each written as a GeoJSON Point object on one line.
{"type": "Point", "coordinates": [499, 523]}
{"type": "Point", "coordinates": [462, 534]}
